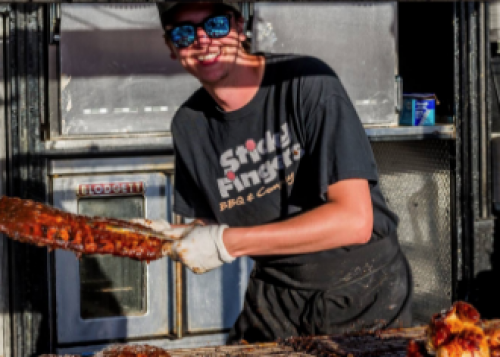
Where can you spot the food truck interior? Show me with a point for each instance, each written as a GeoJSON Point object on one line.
{"type": "Point", "coordinates": [88, 92]}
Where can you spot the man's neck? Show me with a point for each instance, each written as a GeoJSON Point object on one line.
{"type": "Point", "coordinates": [241, 85]}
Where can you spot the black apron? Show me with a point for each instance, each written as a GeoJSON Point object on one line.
{"type": "Point", "coordinates": [312, 299]}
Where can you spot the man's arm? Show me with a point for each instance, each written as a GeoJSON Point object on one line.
{"type": "Point", "coordinates": [345, 219]}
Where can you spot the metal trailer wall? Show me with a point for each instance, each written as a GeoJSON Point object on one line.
{"type": "Point", "coordinates": [24, 69]}
{"type": "Point", "coordinates": [4, 257]}
{"type": "Point", "coordinates": [473, 220]}
{"type": "Point", "coordinates": [489, 295]}
{"type": "Point", "coordinates": [460, 168]}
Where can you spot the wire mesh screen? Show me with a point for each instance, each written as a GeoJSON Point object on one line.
{"type": "Point", "coordinates": [415, 178]}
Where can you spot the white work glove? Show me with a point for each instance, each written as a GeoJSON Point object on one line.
{"type": "Point", "coordinates": [200, 248]}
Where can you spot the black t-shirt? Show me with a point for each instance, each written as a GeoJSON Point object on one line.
{"type": "Point", "coordinates": [276, 156]}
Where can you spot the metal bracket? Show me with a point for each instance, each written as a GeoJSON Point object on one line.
{"type": "Point", "coordinates": [483, 244]}
{"type": "Point", "coordinates": [399, 94]}
{"type": "Point", "coordinates": [54, 14]}
{"type": "Point", "coordinates": [5, 9]}
{"type": "Point", "coordinates": [179, 292]}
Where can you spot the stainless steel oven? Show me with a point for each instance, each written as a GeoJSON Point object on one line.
{"type": "Point", "coordinates": [104, 297]}
{"type": "Point", "coordinates": [99, 299]}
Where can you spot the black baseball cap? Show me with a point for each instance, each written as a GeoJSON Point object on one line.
{"type": "Point", "coordinates": [167, 9]}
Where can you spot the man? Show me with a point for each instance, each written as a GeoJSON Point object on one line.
{"type": "Point", "coordinates": [271, 155]}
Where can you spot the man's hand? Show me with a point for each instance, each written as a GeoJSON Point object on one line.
{"type": "Point", "coordinates": [202, 249]}
{"type": "Point", "coordinates": [199, 247]}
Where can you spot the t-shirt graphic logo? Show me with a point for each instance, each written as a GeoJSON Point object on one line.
{"type": "Point", "coordinates": [251, 153]}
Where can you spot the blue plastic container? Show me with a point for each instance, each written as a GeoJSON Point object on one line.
{"type": "Point", "coordinates": [418, 109]}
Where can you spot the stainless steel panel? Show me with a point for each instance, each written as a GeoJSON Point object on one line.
{"type": "Point", "coordinates": [411, 132]}
{"type": "Point", "coordinates": [215, 299]}
{"type": "Point", "coordinates": [70, 325]}
{"type": "Point", "coordinates": [495, 156]}
{"type": "Point", "coordinates": [97, 144]}
{"type": "Point", "coordinates": [99, 166]}
{"type": "Point", "coordinates": [162, 144]}
{"type": "Point", "coordinates": [494, 21]}
{"type": "Point", "coordinates": [358, 40]}
{"type": "Point", "coordinates": [117, 76]}
{"type": "Point", "coordinates": [415, 178]}
{"type": "Point", "coordinates": [5, 349]}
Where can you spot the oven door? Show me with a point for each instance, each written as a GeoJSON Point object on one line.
{"type": "Point", "coordinates": [105, 297]}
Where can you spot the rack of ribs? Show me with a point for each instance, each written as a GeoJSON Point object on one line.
{"type": "Point", "coordinates": [42, 225]}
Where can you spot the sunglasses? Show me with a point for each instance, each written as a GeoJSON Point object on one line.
{"type": "Point", "coordinates": [183, 35]}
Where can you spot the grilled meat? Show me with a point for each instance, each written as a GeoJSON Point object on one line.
{"type": "Point", "coordinates": [35, 223]}
{"type": "Point", "coordinates": [133, 351]}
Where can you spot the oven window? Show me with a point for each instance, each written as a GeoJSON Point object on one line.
{"type": "Point", "coordinates": [112, 286]}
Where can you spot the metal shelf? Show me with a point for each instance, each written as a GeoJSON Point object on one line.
{"type": "Point", "coordinates": [108, 146]}
{"type": "Point", "coordinates": [400, 133]}
{"type": "Point", "coordinates": [152, 144]}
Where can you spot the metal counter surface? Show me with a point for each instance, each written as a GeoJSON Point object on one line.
{"type": "Point", "coordinates": [150, 144]}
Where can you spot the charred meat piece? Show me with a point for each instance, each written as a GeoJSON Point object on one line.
{"type": "Point", "coordinates": [447, 325]}
{"type": "Point", "coordinates": [493, 337]}
{"type": "Point", "coordinates": [35, 223]}
{"type": "Point", "coordinates": [415, 349]}
{"type": "Point", "coordinates": [468, 343]}
{"type": "Point", "coordinates": [133, 351]}
{"type": "Point", "coordinates": [458, 332]}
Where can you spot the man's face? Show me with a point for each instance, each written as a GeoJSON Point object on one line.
{"type": "Point", "coordinates": [208, 59]}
